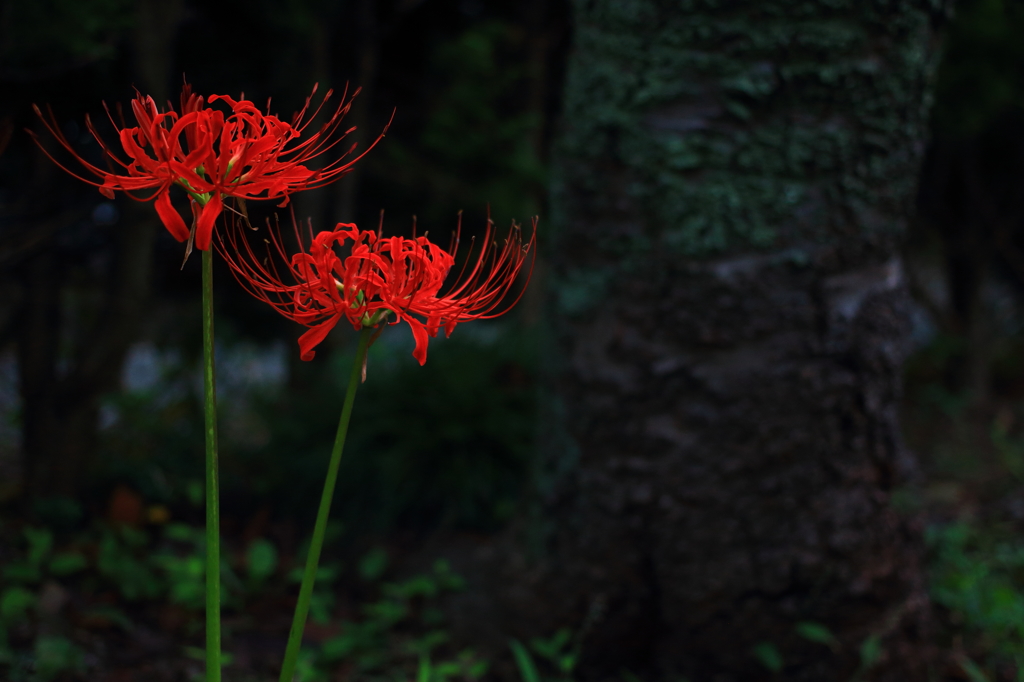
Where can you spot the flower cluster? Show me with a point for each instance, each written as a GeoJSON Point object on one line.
{"type": "Point", "coordinates": [369, 279]}
{"type": "Point", "coordinates": [213, 154]}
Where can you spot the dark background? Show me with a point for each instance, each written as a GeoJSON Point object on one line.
{"type": "Point", "coordinates": [100, 445]}
{"type": "Point", "coordinates": [477, 89]}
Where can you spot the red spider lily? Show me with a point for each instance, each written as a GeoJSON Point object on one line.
{"type": "Point", "coordinates": [377, 280]}
{"type": "Point", "coordinates": [213, 154]}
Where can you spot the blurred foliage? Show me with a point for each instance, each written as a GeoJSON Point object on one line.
{"type": "Point", "coordinates": [982, 69]}
{"type": "Point", "coordinates": [560, 652]}
{"type": "Point", "coordinates": [966, 244]}
{"type": "Point", "coordinates": [477, 85]}
{"type": "Point", "coordinates": [978, 574]}
{"type": "Point", "coordinates": [104, 576]}
{"type": "Point", "coordinates": [971, 449]}
{"type": "Point", "coordinates": [478, 142]}
{"type": "Point", "coordinates": [445, 443]}
{"type": "Point", "coordinates": [974, 463]}
{"type": "Point", "coordinates": [401, 630]}
{"type": "Point", "coordinates": [450, 441]}
{"type": "Point", "coordinates": [48, 34]}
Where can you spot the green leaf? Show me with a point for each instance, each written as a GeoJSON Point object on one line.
{"type": "Point", "coordinates": [448, 579]}
{"type": "Point", "coordinates": [111, 614]}
{"type": "Point", "coordinates": [816, 632]}
{"type": "Point", "coordinates": [418, 586]}
{"type": "Point", "coordinates": [40, 542]}
{"type": "Point", "coordinates": [973, 671]}
{"type": "Point", "coordinates": [340, 647]}
{"type": "Point", "coordinates": [321, 603]}
{"type": "Point", "coordinates": [551, 648]}
{"type": "Point", "coordinates": [427, 643]}
{"type": "Point", "coordinates": [527, 670]}
{"type": "Point", "coordinates": [55, 655]}
{"type": "Point", "coordinates": [132, 577]}
{"type": "Point", "coordinates": [373, 565]}
{"type": "Point", "coordinates": [870, 651]}
{"type": "Point", "coordinates": [261, 559]}
{"type": "Point", "coordinates": [305, 669]}
{"type": "Point", "coordinates": [768, 655]}
{"type": "Point", "coordinates": [386, 612]}
{"type": "Point", "coordinates": [477, 670]}
{"type": "Point", "coordinates": [431, 615]}
{"type": "Point", "coordinates": [67, 563]}
{"type": "Point", "coordinates": [423, 674]}
{"type": "Point", "coordinates": [445, 670]}
{"type": "Point", "coordinates": [22, 572]}
{"type": "Point", "coordinates": [194, 491]}
{"type": "Point", "coordinates": [181, 532]}
{"type": "Point", "coordinates": [15, 602]}
{"type": "Point", "coordinates": [133, 537]}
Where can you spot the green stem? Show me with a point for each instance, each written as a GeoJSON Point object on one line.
{"type": "Point", "coordinates": [291, 653]}
{"type": "Point", "coordinates": [212, 495]}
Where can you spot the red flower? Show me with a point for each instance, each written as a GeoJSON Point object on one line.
{"type": "Point", "coordinates": [377, 280]}
{"type": "Point", "coordinates": [213, 154]}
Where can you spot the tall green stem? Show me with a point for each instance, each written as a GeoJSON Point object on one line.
{"type": "Point", "coordinates": [291, 654]}
{"type": "Point", "coordinates": [212, 495]}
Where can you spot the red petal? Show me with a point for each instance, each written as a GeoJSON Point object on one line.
{"type": "Point", "coordinates": [170, 218]}
{"type": "Point", "coordinates": [314, 336]}
{"type": "Point", "coordinates": [107, 192]}
{"type": "Point", "coordinates": [204, 230]}
{"type": "Point", "coordinates": [419, 333]}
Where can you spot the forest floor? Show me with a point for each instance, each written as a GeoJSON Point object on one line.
{"type": "Point", "coordinates": [122, 600]}
{"type": "Point", "coordinates": [115, 593]}
{"type": "Point", "coordinates": [970, 497]}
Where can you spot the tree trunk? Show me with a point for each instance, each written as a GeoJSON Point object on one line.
{"type": "Point", "coordinates": [732, 186]}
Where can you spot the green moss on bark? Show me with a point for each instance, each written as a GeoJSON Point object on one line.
{"type": "Point", "coordinates": [729, 125]}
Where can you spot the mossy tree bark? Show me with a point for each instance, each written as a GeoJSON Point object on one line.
{"type": "Point", "coordinates": [732, 186]}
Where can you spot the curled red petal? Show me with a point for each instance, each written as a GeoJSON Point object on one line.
{"type": "Point", "coordinates": [170, 217]}
{"type": "Point", "coordinates": [204, 228]}
{"type": "Point", "coordinates": [419, 333]}
{"type": "Point", "coordinates": [314, 336]}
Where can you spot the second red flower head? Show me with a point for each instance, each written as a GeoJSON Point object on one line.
{"type": "Point", "coordinates": [368, 280]}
